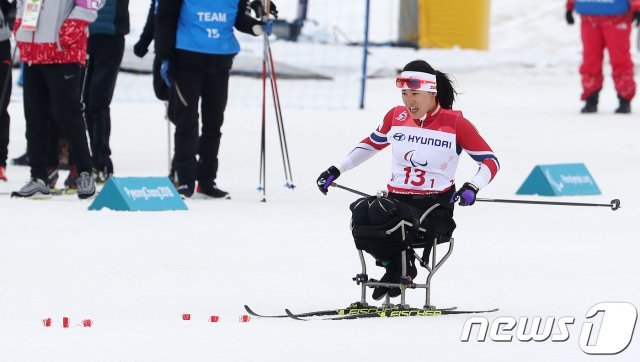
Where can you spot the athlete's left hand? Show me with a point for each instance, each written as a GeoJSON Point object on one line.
{"type": "Point", "coordinates": [466, 194]}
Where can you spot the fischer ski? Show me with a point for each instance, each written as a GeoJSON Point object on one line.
{"type": "Point", "coordinates": [391, 313]}
{"type": "Point", "coordinates": [353, 308]}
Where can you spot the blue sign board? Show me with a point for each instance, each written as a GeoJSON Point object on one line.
{"type": "Point", "coordinates": [559, 180]}
{"type": "Point", "coordinates": [138, 194]}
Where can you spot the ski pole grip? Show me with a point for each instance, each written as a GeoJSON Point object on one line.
{"type": "Point", "coordinates": [615, 204]}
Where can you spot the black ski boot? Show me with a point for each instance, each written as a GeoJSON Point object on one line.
{"type": "Point", "coordinates": [591, 105]}
{"type": "Point", "coordinates": [624, 107]}
{"type": "Point", "coordinates": [392, 275]}
{"type": "Point", "coordinates": [412, 271]}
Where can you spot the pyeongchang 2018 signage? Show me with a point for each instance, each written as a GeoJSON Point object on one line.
{"type": "Point", "coordinates": [608, 328]}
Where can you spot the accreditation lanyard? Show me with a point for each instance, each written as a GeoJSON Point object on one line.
{"type": "Point", "coordinates": [31, 14]}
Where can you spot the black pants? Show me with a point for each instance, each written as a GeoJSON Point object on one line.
{"type": "Point", "coordinates": [105, 56]}
{"type": "Point", "coordinates": [439, 223]}
{"type": "Point", "coordinates": [205, 78]}
{"type": "Point", "coordinates": [5, 83]}
{"type": "Point", "coordinates": [52, 94]}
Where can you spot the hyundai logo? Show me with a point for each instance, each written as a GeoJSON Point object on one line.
{"type": "Point", "coordinates": [399, 137]}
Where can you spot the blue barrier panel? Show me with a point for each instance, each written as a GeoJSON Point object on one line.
{"type": "Point", "coordinates": [138, 194]}
{"type": "Point", "coordinates": [559, 180]}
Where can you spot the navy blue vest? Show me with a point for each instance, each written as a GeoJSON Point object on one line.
{"type": "Point", "coordinates": [602, 7]}
{"type": "Point", "coordinates": [206, 26]}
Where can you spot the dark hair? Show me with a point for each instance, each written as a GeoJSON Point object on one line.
{"type": "Point", "coordinates": [446, 92]}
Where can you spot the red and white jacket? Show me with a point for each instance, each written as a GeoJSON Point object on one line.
{"type": "Point", "coordinates": [425, 152]}
{"type": "Point", "coordinates": [61, 33]}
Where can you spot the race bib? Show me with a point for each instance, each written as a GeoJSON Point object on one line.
{"type": "Point", "coordinates": [31, 14]}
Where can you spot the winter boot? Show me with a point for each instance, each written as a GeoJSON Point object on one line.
{"type": "Point", "coordinates": [186, 189]}
{"type": "Point", "coordinates": [187, 172]}
{"type": "Point", "coordinates": [209, 190]}
{"type": "Point", "coordinates": [101, 176]}
{"type": "Point", "coordinates": [591, 105]}
{"type": "Point", "coordinates": [3, 177]}
{"type": "Point", "coordinates": [21, 161]}
{"type": "Point", "coordinates": [35, 187]}
{"type": "Point", "coordinates": [625, 106]}
{"type": "Point", "coordinates": [86, 185]}
{"type": "Point", "coordinates": [52, 177]}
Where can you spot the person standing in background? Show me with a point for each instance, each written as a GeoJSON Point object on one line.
{"type": "Point", "coordinates": [195, 40]}
{"type": "Point", "coordinates": [5, 81]}
{"type": "Point", "coordinates": [52, 40]}
{"type": "Point", "coordinates": [606, 25]}
{"type": "Point", "coordinates": [105, 50]}
{"type": "Point", "coordinates": [141, 48]}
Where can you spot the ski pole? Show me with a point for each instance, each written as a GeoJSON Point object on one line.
{"type": "Point", "coordinates": [262, 183]}
{"type": "Point", "coordinates": [614, 204]}
{"type": "Point", "coordinates": [349, 189]}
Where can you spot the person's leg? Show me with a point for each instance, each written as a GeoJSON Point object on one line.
{"type": "Point", "coordinates": [85, 83]}
{"type": "Point", "coordinates": [64, 81]}
{"type": "Point", "coordinates": [185, 95]}
{"type": "Point", "coordinates": [5, 79]}
{"type": "Point", "coordinates": [618, 41]}
{"type": "Point", "coordinates": [37, 114]}
{"type": "Point", "coordinates": [214, 102]}
{"type": "Point", "coordinates": [105, 58]}
{"type": "Point", "coordinates": [592, 57]}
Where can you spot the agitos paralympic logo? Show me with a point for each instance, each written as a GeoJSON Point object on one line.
{"type": "Point", "coordinates": [609, 335]}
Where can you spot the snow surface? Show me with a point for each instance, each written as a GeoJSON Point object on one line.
{"type": "Point", "coordinates": [135, 274]}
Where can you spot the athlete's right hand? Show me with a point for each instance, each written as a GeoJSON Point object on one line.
{"type": "Point", "coordinates": [326, 178]}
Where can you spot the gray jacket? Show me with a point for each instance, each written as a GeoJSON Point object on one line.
{"type": "Point", "coordinates": [52, 15]}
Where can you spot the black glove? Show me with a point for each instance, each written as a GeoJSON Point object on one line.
{"type": "Point", "coordinates": [326, 178]}
{"type": "Point", "coordinates": [466, 194]}
{"type": "Point", "coordinates": [256, 6]}
{"type": "Point", "coordinates": [636, 18]}
{"type": "Point", "coordinates": [139, 49]}
{"type": "Point", "coordinates": [569, 17]}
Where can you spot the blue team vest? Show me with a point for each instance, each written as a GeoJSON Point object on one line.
{"type": "Point", "coordinates": [206, 26]}
{"type": "Point", "coordinates": [602, 7]}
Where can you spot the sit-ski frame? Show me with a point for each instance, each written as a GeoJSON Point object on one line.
{"type": "Point", "coordinates": [362, 279]}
